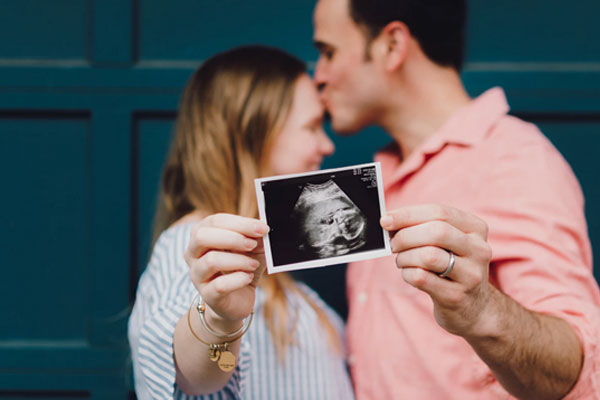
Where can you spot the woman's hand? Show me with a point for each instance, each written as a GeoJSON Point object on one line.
{"type": "Point", "coordinates": [226, 259]}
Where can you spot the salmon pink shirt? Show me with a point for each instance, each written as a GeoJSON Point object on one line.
{"type": "Point", "coordinates": [505, 171]}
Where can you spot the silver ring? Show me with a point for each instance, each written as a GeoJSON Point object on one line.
{"type": "Point", "coordinates": [450, 266]}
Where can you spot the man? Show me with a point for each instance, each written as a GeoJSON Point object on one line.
{"type": "Point", "coordinates": [465, 309]}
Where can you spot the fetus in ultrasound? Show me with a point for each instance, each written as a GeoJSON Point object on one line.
{"type": "Point", "coordinates": [329, 222]}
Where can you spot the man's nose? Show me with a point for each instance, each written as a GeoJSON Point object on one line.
{"type": "Point", "coordinates": [320, 77]}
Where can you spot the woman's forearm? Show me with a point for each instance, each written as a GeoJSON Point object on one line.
{"type": "Point", "coordinates": [195, 372]}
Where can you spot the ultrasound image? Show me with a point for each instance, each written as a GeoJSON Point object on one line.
{"type": "Point", "coordinates": [330, 223]}
{"type": "Point", "coordinates": [323, 216]}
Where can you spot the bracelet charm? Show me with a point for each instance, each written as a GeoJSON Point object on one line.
{"type": "Point", "coordinates": [227, 360]}
{"type": "Point", "coordinates": [219, 352]}
{"type": "Point", "coordinates": [213, 352]}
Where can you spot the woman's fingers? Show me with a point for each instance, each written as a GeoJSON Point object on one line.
{"type": "Point", "coordinates": [216, 290]}
{"type": "Point", "coordinates": [205, 239]}
{"type": "Point", "coordinates": [226, 232]}
{"type": "Point", "coordinates": [214, 263]}
{"type": "Point", "coordinates": [226, 259]}
{"type": "Point", "coordinates": [246, 226]}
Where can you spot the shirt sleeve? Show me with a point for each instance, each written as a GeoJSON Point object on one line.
{"type": "Point", "coordinates": [164, 294]}
{"type": "Point", "coordinates": [541, 252]}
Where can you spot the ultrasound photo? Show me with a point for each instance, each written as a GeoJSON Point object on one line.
{"type": "Point", "coordinates": [329, 222]}
{"type": "Point", "coordinates": [323, 218]}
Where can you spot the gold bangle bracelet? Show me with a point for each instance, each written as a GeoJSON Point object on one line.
{"type": "Point", "coordinates": [229, 336]}
{"type": "Point", "coordinates": [218, 352]}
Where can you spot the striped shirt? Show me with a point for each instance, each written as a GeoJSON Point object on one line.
{"type": "Point", "coordinates": [310, 370]}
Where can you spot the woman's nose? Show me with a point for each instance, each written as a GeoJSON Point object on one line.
{"type": "Point", "coordinates": [327, 147]}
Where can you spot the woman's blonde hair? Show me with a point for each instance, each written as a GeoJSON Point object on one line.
{"type": "Point", "coordinates": [232, 108]}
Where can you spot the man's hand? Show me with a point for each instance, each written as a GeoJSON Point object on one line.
{"type": "Point", "coordinates": [534, 356]}
{"type": "Point", "coordinates": [422, 237]}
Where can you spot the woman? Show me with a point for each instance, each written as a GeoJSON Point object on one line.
{"type": "Point", "coordinates": [246, 113]}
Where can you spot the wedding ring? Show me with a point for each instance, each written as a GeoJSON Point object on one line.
{"type": "Point", "coordinates": [450, 266]}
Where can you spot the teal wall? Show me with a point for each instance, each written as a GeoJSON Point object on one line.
{"type": "Point", "coordinates": [88, 92]}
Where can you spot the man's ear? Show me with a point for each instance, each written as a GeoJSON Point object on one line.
{"type": "Point", "coordinates": [395, 38]}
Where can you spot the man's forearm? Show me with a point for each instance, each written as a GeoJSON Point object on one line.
{"type": "Point", "coordinates": [532, 355]}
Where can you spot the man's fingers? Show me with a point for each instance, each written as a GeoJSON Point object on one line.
{"type": "Point", "coordinates": [442, 291]}
{"type": "Point", "coordinates": [431, 258]}
{"type": "Point", "coordinates": [436, 260]}
{"type": "Point", "coordinates": [432, 233]}
{"type": "Point", "coordinates": [414, 215]}
{"type": "Point", "coordinates": [426, 281]}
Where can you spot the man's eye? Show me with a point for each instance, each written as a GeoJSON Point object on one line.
{"type": "Point", "coordinates": [326, 53]}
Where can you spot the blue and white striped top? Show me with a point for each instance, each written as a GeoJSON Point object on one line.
{"type": "Point", "coordinates": [311, 369]}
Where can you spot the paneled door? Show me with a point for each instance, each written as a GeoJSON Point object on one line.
{"type": "Point", "coordinates": [88, 96]}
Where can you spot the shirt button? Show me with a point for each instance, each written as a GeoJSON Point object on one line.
{"type": "Point", "coordinates": [362, 297]}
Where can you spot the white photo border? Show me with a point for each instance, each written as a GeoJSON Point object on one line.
{"type": "Point", "coordinates": [322, 262]}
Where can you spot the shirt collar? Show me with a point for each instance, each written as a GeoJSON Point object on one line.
{"type": "Point", "coordinates": [466, 127]}
{"type": "Point", "coordinates": [472, 122]}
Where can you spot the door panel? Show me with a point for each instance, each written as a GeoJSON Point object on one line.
{"type": "Point", "coordinates": [88, 96]}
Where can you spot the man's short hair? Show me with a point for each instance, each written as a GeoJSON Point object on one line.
{"type": "Point", "coordinates": [437, 25]}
